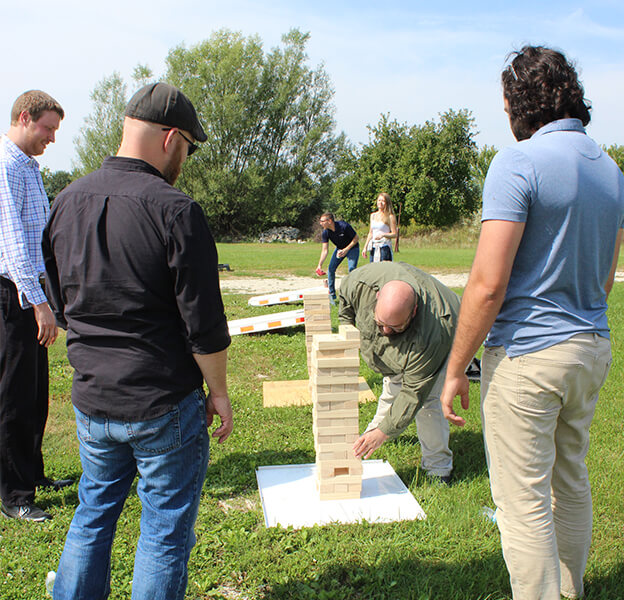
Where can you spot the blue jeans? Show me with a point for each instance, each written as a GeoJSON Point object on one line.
{"type": "Point", "coordinates": [352, 260]}
{"type": "Point", "coordinates": [170, 454]}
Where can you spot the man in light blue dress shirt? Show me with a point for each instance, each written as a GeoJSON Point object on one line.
{"type": "Point", "coordinates": [27, 326]}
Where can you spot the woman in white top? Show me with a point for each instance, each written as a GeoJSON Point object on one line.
{"type": "Point", "coordinates": [383, 227]}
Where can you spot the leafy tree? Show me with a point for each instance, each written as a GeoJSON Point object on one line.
{"type": "Point", "coordinates": [616, 152]}
{"type": "Point", "coordinates": [427, 169]}
{"type": "Point", "coordinates": [54, 182]}
{"type": "Point", "coordinates": [100, 135]}
{"type": "Point", "coordinates": [482, 163]}
{"type": "Point", "coordinates": [271, 150]}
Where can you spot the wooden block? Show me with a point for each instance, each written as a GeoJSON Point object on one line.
{"type": "Point", "coordinates": [348, 332]}
{"type": "Point", "coordinates": [338, 413]}
{"type": "Point", "coordinates": [338, 362]}
{"type": "Point", "coordinates": [297, 393]}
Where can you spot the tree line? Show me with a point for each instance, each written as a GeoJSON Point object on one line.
{"type": "Point", "coordinates": [273, 155]}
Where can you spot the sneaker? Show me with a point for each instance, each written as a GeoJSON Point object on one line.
{"type": "Point", "coordinates": [55, 484]}
{"type": "Point", "coordinates": [332, 300]}
{"type": "Point", "coordinates": [25, 512]}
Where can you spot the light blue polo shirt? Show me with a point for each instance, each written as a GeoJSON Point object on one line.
{"type": "Point", "coordinates": [570, 194]}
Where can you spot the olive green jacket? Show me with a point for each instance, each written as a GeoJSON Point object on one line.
{"type": "Point", "coordinates": [418, 353]}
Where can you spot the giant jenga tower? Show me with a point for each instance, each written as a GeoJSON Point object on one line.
{"type": "Point", "coordinates": [317, 319]}
{"type": "Point", "coordinates": [335, 366]}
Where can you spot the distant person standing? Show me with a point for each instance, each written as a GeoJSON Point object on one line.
{"type": "Point", "coordinates": [383, 228]}
{"type": "Point", "coordinates": [553, 211]}
{"type": "Point", "coordinates": [27, 326]}
{"type": "Point", "coordinates": [346, 240]}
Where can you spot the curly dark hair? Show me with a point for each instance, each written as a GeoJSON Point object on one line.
{"type": "Point", "coordinates": [541, 86]}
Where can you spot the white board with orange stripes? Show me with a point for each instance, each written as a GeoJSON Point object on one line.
{"type": "Point", "coordinates": [267, 322]}
{"type": "Point", "coordinates": [282, 297]}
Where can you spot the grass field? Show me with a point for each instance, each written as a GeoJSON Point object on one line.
{"type": "Point", "coordinates": [453, 555]}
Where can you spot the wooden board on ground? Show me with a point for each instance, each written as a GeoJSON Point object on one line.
{"type": "Point", "coordinates": [297, 393]}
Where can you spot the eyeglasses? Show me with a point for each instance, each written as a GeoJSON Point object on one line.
{"type": "Point", "coordinates": [393, 328]}
{"type": "Point", "coordinates": [191, 146]}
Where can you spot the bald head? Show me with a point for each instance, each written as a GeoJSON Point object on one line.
{"type": "Point", "coordinates": [396, 305]}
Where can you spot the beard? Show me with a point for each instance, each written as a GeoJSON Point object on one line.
{"type": "Point", "coordinates": [173, 168]}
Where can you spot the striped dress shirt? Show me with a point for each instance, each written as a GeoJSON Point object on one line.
{"type": "Point", "coordinates": [24, 210]}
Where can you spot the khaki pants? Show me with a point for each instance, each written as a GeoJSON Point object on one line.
{"type": "Point", "coordinates": [536, 411]}
{"type": "Point", "coordinates": [431, 426]}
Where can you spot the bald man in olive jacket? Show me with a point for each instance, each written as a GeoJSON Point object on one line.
{"type": "Point", "coordinates": [407, 321]}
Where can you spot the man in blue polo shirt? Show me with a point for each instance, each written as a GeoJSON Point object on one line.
{"type": "Point", "coordinates": [553, 211]}
{"type": "Point", "coordinates": [346, 241]}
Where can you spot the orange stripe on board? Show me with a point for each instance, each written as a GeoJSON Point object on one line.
{"type": "Point", "coordinates": [246, 329]}
{"type": "Point", "coordinates": [263, 302]}
{"type": "Point", "coordinates": [283, 298]}
{"type": "Point", "coordinates": [300, 320]}
{"type": "Point", "coordinates": [274, 324]}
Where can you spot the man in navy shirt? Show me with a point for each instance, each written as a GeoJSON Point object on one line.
{"type": "Point", "coordinates": [346, 242]}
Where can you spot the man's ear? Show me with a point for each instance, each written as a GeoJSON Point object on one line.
{"type": "Point", "coordinates": [169, 142]}
{"type": "Point", "coordinates": [25, 118]}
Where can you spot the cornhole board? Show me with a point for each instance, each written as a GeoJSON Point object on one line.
{"type": "Point", "coordinates": [267, 322]}
{"type": "Point", "coordinates": [290, 498]}
{"type": "Point", "coordinates": [283, 297]}
{"type": "Point", "coordinates": [297, 393]}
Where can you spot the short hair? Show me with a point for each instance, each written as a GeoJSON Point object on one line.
{"type": "Point", "coordinates": [329, 215]}
{"type": "Point", "coordinates": [36, 103]}
{"type": "Point", "coordinates": [541, 86]}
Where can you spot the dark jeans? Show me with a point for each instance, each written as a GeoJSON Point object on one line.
{"type": "Point", "coordinates": [352, 260]}
{"type": "Point", "coordinates": [385, 253]}
{"type": "Point", "coordinates": [23, 398]}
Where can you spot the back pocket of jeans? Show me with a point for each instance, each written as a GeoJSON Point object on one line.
{"type": "Point", "coordinates": [156, 436]}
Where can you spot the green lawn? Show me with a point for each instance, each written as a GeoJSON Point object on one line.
{"type": "Point", "coordinates": [453, 555]}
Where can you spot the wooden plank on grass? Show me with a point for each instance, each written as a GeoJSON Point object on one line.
{"type": "Point", "coordinates": [297, 393]}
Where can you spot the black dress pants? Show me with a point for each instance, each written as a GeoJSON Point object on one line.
{"type": "Point", "coordinates": [23, 398]}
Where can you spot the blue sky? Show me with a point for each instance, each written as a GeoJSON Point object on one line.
{"type": "Point", "coordinates": [410, 59]}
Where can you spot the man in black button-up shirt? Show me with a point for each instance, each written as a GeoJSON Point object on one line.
{"type": "Point", "coordinates": [132, 271]}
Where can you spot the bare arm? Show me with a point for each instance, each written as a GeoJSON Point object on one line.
{"type": "Point", "coordinates": [213, 368]}
{"type": "Point", "coordinates": [324, 252]}
{"type": "Point", "coordinates": [393, 228]}
{"type": "Point", "coordinates": [481, 302]}
{"type": "Point", "coordinates": [368, 237]}
{"type": "Point", "coordinates": [616, 256]}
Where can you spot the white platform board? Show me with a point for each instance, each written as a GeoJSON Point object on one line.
{"type": "Point", "coordinates": [289, 497]}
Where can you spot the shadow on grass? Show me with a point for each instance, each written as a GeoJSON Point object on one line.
{"type": "Point", "coordinates": [468, 457]}
{"type": "Point", "coordinates": [607, 585]}
{"type": "Point", "coordinates": [235, 473]}
{"type": "Point", "coordinates": [480, 579]}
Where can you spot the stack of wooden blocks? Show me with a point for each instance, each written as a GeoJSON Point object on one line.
{"type": "Point", "coordinates": [317, 318]}
{"type": "Point", "coordinates": [335, 366]}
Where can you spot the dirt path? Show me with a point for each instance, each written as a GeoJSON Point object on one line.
{"type": "Point", "coordinates": [271, 286]}
{"type": "Point", "coordinates": [258, 286]}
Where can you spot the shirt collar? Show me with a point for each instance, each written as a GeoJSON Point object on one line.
{"type": "Point", "coordinates": [17, 153]}
{"type": "Point", "coordinates": [125, 163]}
{"type": "Point", "coordinates": [561, 125]}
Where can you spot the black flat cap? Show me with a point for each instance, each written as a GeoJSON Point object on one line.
{"type": "Point", "coordinates": [167, 105]}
